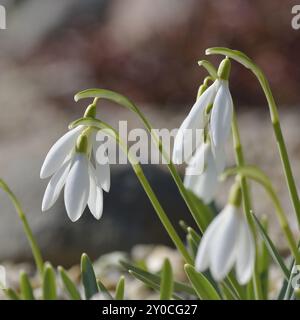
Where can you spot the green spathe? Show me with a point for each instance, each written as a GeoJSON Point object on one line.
{"type": "Point", "coordinates": [224, 69]}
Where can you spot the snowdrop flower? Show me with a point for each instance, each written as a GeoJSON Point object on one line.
{"type": "Point", "coordinates": [228, 241]}
{"type": "Point", "coordinates": [69, 164]}
{"type": "Point", "coordinates": [212, 110]}
{"type": "Point", "coordinates": [201, 175]}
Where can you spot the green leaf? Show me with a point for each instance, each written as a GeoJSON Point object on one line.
{"type": "Point", "coordinates": [227, 292]}
{"type": "Point", "coordinates": [88, 277]}
{"type": "Point", "coordinates": [202, 286]}
{"type": "Point", "coordinates": [195, 236]}
{"type": "Point", "coordinates": [151, 284]}
{"type": "Point", "coordinates": [183, 225]}
{"type": "Point", "coordinates": [271, 248]}
{"type": "Point", "coordinates": [263, 261]}
{"type": "Point", "coordinates": [286, 288]}
{"type": "Point", "coordinates": [69, 285]}
{"type": "Point", "coordinates": [209, 68]}
{"type": "Point", "coordinates": [166, 284]}
{"type": "Point", "coordinates": [11, 294]}
{"type": "Point", "coordinates": [178, 286]}
{"type": "Point", "coordinates": [49, 283]}
{"type": "Point", "coordinates": [27, 230]}
{"type": "Point", "coordinates": [192, 246]}
{"type": "Point", "coordinates": [25, 287]}
{"type": "Point", "coordinates": [289, 288]}
{"type": "Point", "coordinates": [104, 290]}
{"type": "Point", "coordinates": [203, 212]}
{"type": "Point", "coordinates": [120, 289]}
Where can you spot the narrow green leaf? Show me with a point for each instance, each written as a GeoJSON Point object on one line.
{"type": "Point", "coordinates": [25, 287]}
{"type": "Point", "coordinates": [120, 289]}
{"type": "Point", "coordinates": [27, 230]}
{"type": "Point", "coordinates": [166, 284]}
{"type": "Point", "coordinates": [285, 290]}
{"type": "Point", "coordinates": [204, 212]}
{"type": "Point", "coordinates": [11, 294]}
{"type": "Point", "coordinates": [289, 292]}
{"type": "Point", "coordinates": [151, 284]}
{"type": "Point", "coordinates": [196, 237]}
{"type": "Point", "coordinates": [178, 286]}
{"type": "Point", "coordinates": [232, 283]}
{"type": "Point", "coordinates": [69, 285]}
{"type": "Point", "coordinates": [202, 286]}
{"type": "Point", "coordinates": [263, 262]}
{"type": "Point", "coordinates": [193, 240]}
{"type": "Point", "coordinates": [88, 277]}
{"type": "Point", "coordinates": [49, 283]}
{"type": "Point", "coordinates": [227, 292]}
{"type": "Point", "coordinates": [272, 249]}
{"type": "Point", "coordinates": [183, 226]}
{"type": "Point", "coordinates": [192, 246]}
{"type": "Point", "coordinates": [104, 290]}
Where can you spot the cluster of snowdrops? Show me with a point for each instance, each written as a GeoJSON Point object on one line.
{"type": "Point", "coordinates": [228, 254]}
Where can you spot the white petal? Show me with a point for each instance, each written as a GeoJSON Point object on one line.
{"type": "Point", "coordinates": [103, 175]}
{"type": "Point", "coordinates": [77, 187]}
{"type": "Point", "coordinates": [223, 247]}
{"type": "Point", "coordinates": [95, 201]}
{"type": "Point", "coordinates": [202, 260]}
{"type": "Point", "coordinates": [245, 254]}
{"type": "Point", "coordinates": [59, 152]}
{"type": "Point", "coordinates": [203, 184]}
{"type": "Point", "coordinates": [198, 162]}
{"type": "Point", "coordinates": [177, 156]}
{"type": "Point", "coordinates": [102, 171]}
{"type": "Point", "coordinates": [186, 141]}
{"type": "Point", "coordinates": [221, 115]}
{"type": "Point", "coordinates": [220, 158]}
{"type": "Point", "coordinates": [196, 117]}
{"type": "Point", "coordinates": [55, 186]}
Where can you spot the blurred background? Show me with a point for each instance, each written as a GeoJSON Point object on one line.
{"type": "Point", "coordinates": [147, 50]}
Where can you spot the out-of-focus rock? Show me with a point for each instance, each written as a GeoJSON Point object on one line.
{"type": "Point", "coordinates": [155, 258]}
{"type": "Point", "coordinates": [128, 219]}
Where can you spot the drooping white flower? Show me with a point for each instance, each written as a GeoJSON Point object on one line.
{"type": "Point", "coordinates": [212, 110]}
{"type": "Point", "coordinates": [73, 169]}
{"type": "Point", "coordinates": [186, 139]}
{"type": "Point", "coordinates": [221, 115]}
{"type": "Point", "coordinates": [201, 175]}
{"type": "Point", "coordinates": [227, 242]}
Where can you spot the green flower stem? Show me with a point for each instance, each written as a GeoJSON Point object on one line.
{"type": "Point", "coordinates": [285, 225]}
{"type": "Point", "coordinates": [125, 102]}
{"type": "Point", "coordinates": [172, 169]}
{"type": "Point", "coordinates": [239, 155]}
{"type": "Point", "coordinates": [143, 180]}
{"type": "Point", "coordinates": [33, 244]}
{"type": "Point", "coordinates": [249, 64]}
